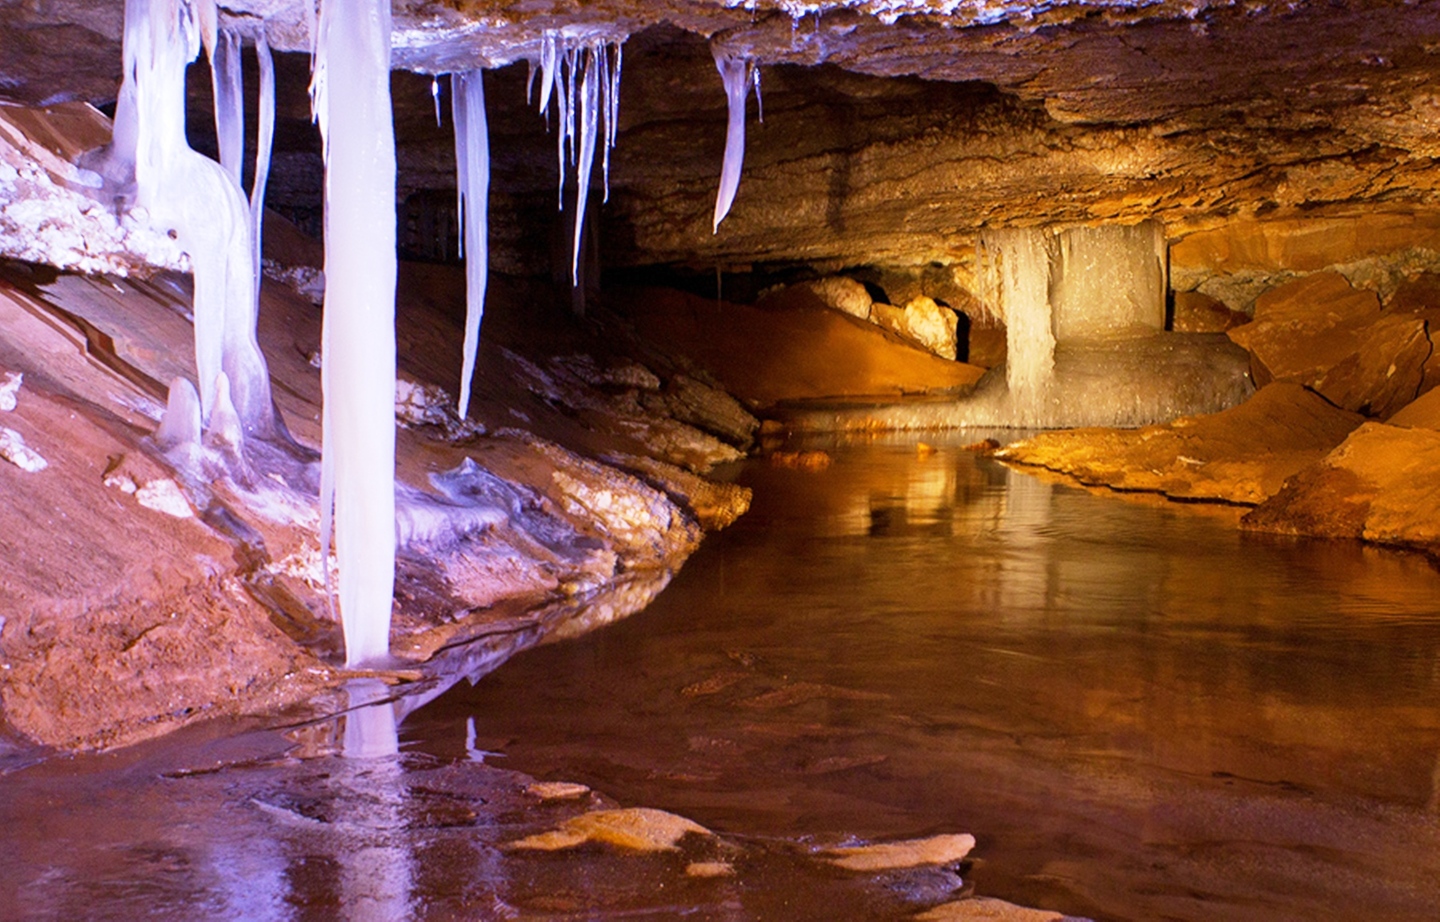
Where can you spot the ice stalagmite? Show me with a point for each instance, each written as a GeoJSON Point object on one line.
{"type": "Point", "coordinates": [472, 180]}
{"type": "Point", "coordinates": [351, 89]}
{"type": "Point", "coordinates": [735, 73]}
{"type": "Point", "coordinates": [194, 196]}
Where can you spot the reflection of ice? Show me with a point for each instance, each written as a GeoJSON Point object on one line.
{"type": "Point", "coordinates": [1024, 578]}
{"type": "Point", "coordinates": [375, 878]}
{"type": "Point", "coordinates": [252, 877]}
{"type": "Point", "coordinates": [370, 731]}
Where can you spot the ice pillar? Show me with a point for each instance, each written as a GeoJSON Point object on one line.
{"type": "Point", "coordinates": [472, 181]}
{"type": "Point", "coordinates": [1015, 282]}
{"type": "Point", "coordinates": [352, 103]}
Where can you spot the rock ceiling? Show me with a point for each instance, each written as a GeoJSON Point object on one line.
{"type": "Point", "coordinates": [895, 128]}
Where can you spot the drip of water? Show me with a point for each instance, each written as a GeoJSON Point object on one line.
{"type": "Point", "coordinates": [351, 95]}
{"type": "Point", "coordinates": [472, 180]}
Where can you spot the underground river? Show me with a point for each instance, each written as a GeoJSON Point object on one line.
{"type": "Point", "coordinates": [1139, 712]}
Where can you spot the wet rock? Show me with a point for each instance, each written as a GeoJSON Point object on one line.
{"type": "Point", "coordinates": [1200, 313]}
{"type": "Point", "coordinates": [640, 829]}
{"type": "Point", "coordinates": [715, 504]}
{"type": "Point", "coordinates": [710, 410]}
{"type": "Point", "coordinates": [557, 790]}
{"type": "Point", "coordinates": [1320, 332]}
{"type": "Point", "coordinates": [922, 322]}
{"type": "Point", "coordinates": [842, 294]}
{"type": "Point", "coordinates": [1378, 485]}
{"type": "Point", "coordinates": [1240, 455]}
{"type": "Point", "coordinates": [989, 909]}
{"type": "Point", "coordinates": [912, 853]}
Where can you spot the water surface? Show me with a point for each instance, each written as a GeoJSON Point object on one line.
{"type": "Point", "coordinates": [1140, 712]}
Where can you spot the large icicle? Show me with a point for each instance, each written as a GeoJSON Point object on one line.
{"type": "Point", "coordinates": [589, 113]}
{"type": "Point", "coordinates": [195, 196]}
{"type": "Point", "coordinates": [352, 103]}
{"type": "Point", "coordinates": [229, 102]}
{"type": "Point", "coordinates": [1015, 285]}
{"type": "Point", "coordinates": [472, 181]}
{"type": "Point", "coordinates": [735, 75]}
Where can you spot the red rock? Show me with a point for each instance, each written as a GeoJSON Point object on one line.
{"type": "Point", "coordinates": [1199, 313]}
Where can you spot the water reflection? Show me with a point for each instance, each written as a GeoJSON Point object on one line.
{"type": "Point", "coordinates": [1140, 711]}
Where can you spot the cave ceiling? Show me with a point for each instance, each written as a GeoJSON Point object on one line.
{"type": "Point", "coordinates": [894, 129]}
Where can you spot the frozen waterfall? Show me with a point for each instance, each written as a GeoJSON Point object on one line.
{"type": "Point", "coordinates": [351, 90]}
{"type": "Point", "coordinates": [472, 182]}
{"type": "Point", "coordinates": [195, 196]}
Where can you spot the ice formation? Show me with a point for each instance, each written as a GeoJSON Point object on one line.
{"type": "Point", "coordinates": [1078, 285]}
{"type": "Point", "coordinates": [195, 196]}
{"type": "Point", "coordinates": [472, 182]}
{"type": "Point", "coordinates": [738, 73]}
{"type": "Point", "coordinates": [264, 141]}
{"type": "Point", "coordinates": [351, 90]}
{"type": "Point", "coordinates": [582, 74]}
{"type": "Point", "coordinates": [229, 101]}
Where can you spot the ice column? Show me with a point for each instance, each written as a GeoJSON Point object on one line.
{"type": "Point", "coordinates": [195, 196]}
{"type": "Point", "coordinates": [1081, 284]}
{"type": "Point", "coordinates": [351, 89]}
{"type": "Point", "coordinates": [264, 141]}
{"type": "Point", "coordinates": [737, 73]}
{"type": "Point", "coordinates": [1015, 287]}
{"type": "Point", "coordinates": [472, 181]}
{"type": "Point", "coordinates": [1108, 281]}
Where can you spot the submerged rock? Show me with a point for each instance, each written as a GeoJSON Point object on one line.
{"type": "Point", "coordinates": [912, 853]}
{"type": "Point", "coordinates": [641, 829]}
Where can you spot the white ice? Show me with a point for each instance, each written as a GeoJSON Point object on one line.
{"type": "Point", "coordinates": [582, 73]}
{"type": "Point", "coordinates": [265, 137]}
{"type": "Point", "coordinates": [229, 101]}
{"type": "Point", "coordinates": [472, 180]}
{"type": "Point", "coordinates": [351, 89]}
{"type": "Point", "coordinates": [195, 196]}
{"type": "Point", "coordinates": [735, 73]}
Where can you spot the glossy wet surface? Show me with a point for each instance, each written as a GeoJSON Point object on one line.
{"type": "Point", "coordinates": [1140, 712]}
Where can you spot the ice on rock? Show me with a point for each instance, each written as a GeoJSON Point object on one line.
{"type": "Point", "coordinates": [738, 74]}
{"type": "Point", "coordinates": [181, 423]}
{"type": "Point", "coordinates": [351, 92]}
{"type": "Point", "coordinates": [14, 450]}
{"type": "Point", "coordinates": [9, 389]}
{"type": "Point", "coordinates": [197, 197]}
{"type": "Point", "coordinates": [472, 181]}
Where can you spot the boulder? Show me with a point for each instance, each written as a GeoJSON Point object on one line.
{"type": "Point", "coordinates": [1199, 313]}
{"type": "Point", "coordinates": [1240, 455]}
{"type": "Point", "coordinates": [842, 294]}
{"type": "Point", "coordinates": [921, 322]}
{"type": "Point", "coordinates": [1321, 332]}
{"type": "Point", "coordinates": [1421, 413]}
{"type": "Point", "coordinates": [1379, 485]}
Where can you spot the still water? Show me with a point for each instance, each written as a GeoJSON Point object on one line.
{"type": "Point", "coordinates": [1138, 710]}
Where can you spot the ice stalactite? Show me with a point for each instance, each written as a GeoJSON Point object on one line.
{"type": "Point", "coordinates": [1015, 286]}
{"type": "Point", "coordinates": [196, 197]}
{"type": "Point", "coordinates": [583, 76]}
{"type": "Point", "coordinates": [351, 95]}
{"type": "Point", "coordinates": [229, 101]}
{"type": "Point", "coordinates": [264, 141]}
{"type": "Point", "coordinates": [472, 181]}
{"type": "Point", "coordinates": [738, 73]}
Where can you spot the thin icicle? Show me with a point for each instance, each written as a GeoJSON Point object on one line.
{"type": "Point", "coordinates": [589, 113]}
{"type": "Point", "coordinates": [351, 89]}
{"type": "Point", "coordinates": [229, 102]}
{"type": "Point", "coordinates": [264, 142]}
{"type": "Point", "coordinates": [472, 181]}
{"type": "Point", "coordinates": [547, 69]}
{"type": "Point", "coordinates": [735, 74]}
{"type": "Point", "coordinates": [435, 95]}
{"type": "Point", "coordinates": [759, 103]}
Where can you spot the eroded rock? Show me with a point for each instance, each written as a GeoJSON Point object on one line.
{"type": "Point", "coordinates": [1240, 455]}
